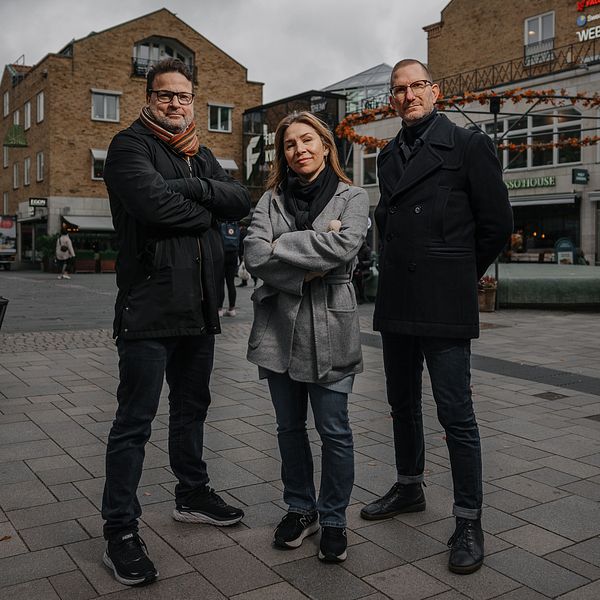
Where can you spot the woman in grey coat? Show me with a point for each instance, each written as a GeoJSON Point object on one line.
{"type": "Point", "coordinates": [303, 240]}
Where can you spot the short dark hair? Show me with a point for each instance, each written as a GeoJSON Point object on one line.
{"type": "Point", "coordinates": [407, 62]}
{"type": "Point", "coordinates": [167, 65]}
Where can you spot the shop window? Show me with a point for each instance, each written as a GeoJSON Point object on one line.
{"type": "Point", "coordinates": [39, 166]}
{"type": "Point", "coordinates": [219, 118]}
{"type": "Point", "coordinates": [545, 155]}
{"type": "Point", "coordinates": [517, 158]}
{"type": "Point", "coordinates": [5, 156]}
{"type": "Point", "coordinates": [105, 106]}
{"type": "Point", "coordinates": [27, 115]}
{"type": "Point", "coordinates": [5, 104]}
{"type": "Point", "coordinates": [15, 176]}
{"type": "Point", "coordinates": [569, 153]}
{"type": "Point", "coordinates": [39, 105]}
{"type": "Point", "coordinates": [27, 171]}
{"type": "Point", "coordinates": [16, 117]}
{"type": "Point", "coordinates": [369, 168]}
{"type": "Point", "coordinates": [539, 39]}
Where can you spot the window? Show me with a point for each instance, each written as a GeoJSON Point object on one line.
{"type": "Point", "coordinates": [219, 118]}
{"type": "Point", "coordinates": [98, 160]}
{"type": "Point", "coordinates": [39, 105]}
{"type": "Point", "coordinates": [27, 171]}
{"type": "Point", "coordinates": [5, 156]}
{"type": "Point", "coordinates": [39, 166]}
{"type": "Point", "coordinates": [16, 117]}
{"type": "Point", "coordinates": [542, 132]}
{"type": "Point", "coordinates": [149, 51]}
{"type": "Point", "coordinates": [105, 105]}
{"type": "Point", "coordinates": [369, 168]}
{"type": "Point", "coordinates": [15, 176]}
{"type": "Point", "coordinates": [5, 203]}
{"type": "Point", "coordinates": [27, 115]}
{"type": "Point", "coordinates": [539, 39]}
{"type": "Point", "coordinates": [5, 104]}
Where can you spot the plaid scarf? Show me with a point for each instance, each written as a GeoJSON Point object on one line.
{"type": "Point", "coordinates": [186, 142]}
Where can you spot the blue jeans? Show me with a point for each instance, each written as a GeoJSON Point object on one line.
{"type": "Point", "coordinates": [330, 410]}
{"type": "Point", "coordinates": [448, 363]}
{"type": "Point", "coordinates": [187, 362]}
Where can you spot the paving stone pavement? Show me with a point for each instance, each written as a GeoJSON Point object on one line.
{"type": "Point", "coordinates": [541, 451]}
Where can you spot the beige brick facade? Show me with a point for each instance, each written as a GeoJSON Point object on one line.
{"type": "Point", "coordinates": [103, 61]}
{"type": "Point", "coordinates": [473, 34]}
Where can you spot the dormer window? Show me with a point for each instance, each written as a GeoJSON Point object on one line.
{"type": "Point", "coordinates": [151, 50]}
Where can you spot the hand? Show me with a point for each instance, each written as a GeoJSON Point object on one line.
{"type": "Point", "coordinates": [334, 225]}
{"type": "Point", "coordinates": [273, 244]}
{"type": "Point", "coordinates": [313, 275]}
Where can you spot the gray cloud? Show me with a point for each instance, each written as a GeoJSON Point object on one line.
{"type": "Point", "coordinates": [288, 45]}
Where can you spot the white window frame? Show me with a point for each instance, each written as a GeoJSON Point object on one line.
{"type": "Point", "coordinates": [5, 104]}
{"type": "Point", "coordinates": [39, 107]}
{"type": "Point", "coordinates": [27, 115]}
{"type": "Point", "coordinates": [26, 170]}
{"type": "Point", "coordinates": [219, 107]}
{"type": "Point", "coordinates": [363, 156]}
{"type": "Point", "coordinates": [16, 176]}
{"type": "Point", "coordinates": [5, 203]}
{"type": "Point", "coordinates": [541, 50]}
{"type": "Point", "coordinates": [5, 158]}
{"type": "Point", "coordinates": [98, 155]}
{"type": "Point", "coordinates": [16, 117]}
{"type": "Point", "coordinates": [39, 166]}
{"type": "Point", "coordinates": [106, 94]}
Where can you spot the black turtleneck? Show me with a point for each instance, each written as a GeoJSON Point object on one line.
{"type": "Point", "coordinates": [411, 133]}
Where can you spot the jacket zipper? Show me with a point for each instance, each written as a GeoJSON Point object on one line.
{"type": "Point", "coordinates": [189, 164]}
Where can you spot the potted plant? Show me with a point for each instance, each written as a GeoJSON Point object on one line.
{"type": "Point", "coordinates": [46, 246]}
{"type": "Point", "coordinates": [486, 292]}
{"type": "Point", "coordinates": [107, 261]}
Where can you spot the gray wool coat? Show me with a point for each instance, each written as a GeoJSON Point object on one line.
{"type": "Point", "coordinates": [311, 330]}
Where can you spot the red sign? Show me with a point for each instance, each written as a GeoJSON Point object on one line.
{"type": "Point", "coordinates": [583, 4]}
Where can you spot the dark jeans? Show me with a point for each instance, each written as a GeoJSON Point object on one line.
{"type": "Point", "coordinates": [448, 363]}
{"type": "Point", "coordinates": [187, 363]}
{"type": "Point", "coordinates": [229, 273]}
{"type": "Point", "coordinates": [330, 410]}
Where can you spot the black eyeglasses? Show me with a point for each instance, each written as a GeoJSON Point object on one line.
{"type": "Point", "coordinates": [166, 96]}
{"type": "Point", "coordinates": [417, 87]}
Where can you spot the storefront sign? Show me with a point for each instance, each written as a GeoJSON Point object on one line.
{"type": "Point", "coordinates": [40, 202]}
{"type": "Point", "coordinates": [531, 182]}
{"type": "Point", "coordinates": [580, 176]}
{"type": "Point", "coordinates": [583, 4]}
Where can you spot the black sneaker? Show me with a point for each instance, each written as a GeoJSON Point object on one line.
{"type": "Point", "coordinates": [293, 528]}
{"type": "Point", "coordinates": [127, 556]}
{"type": "Point", "coordinates": [333, 544]}
{"type": "Point", "coordinates": [206, 506]}
{"type": "Point", "coordinates": [466, 547]}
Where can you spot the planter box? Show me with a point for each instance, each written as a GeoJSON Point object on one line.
{"type": "Point", "coordinates": [107, 265]}
{"type": "Point", "coordinates": [487, 300]}
{"type": "Point", "coordinates": [85, 265]}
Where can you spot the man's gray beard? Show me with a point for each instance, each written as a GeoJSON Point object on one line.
{"type": "Point", "coordinates": [169, 125]}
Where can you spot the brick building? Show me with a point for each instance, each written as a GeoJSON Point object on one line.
{"type": "Point", "coordinates": [59, 116]}
{"type": "Point", "coordinates": [499, 45]}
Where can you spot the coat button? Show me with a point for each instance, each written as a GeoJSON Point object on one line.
{"type": "Point", "coordinates": [389, 237]}
{"type": "Point", "coordinates": [418, 209]}
{"type": "Point", "coordinates": [197, 259]}
{"type": "Point", "coordinates": [412, 267]}
{"type": "Point", "coordinates": [393, 209]}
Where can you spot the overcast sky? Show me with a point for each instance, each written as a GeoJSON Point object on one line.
{"type": "Point", "coordinates": [288, 45]}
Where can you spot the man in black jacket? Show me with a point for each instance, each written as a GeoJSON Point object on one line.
{"type": "Point", "coordinates": [443, 217]}
{"type": "Point", "coordinates": [166, 193]}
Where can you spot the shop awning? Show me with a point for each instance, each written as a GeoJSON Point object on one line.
{"type": "Point", "coordinates": [543, 199]}
{"type": "Point", "coordinates": [98, 154]}
{"type": "Point", "coordinates": [90, 223]}
{"type": "Point", "coordinates": [594, 196]}
{"type": "Point", "coordinates": [228, 164]}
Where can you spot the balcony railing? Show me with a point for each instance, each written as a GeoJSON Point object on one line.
{"type": "Point", "coordinates": [546, 61]}
{"type": "Point", "coordinates": [140, 66]}
{"type": "Point", "coordinates": [539, 52]}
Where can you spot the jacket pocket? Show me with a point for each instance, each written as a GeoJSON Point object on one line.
{"type": "Point", "coordinates": [264, 300]}
{"type": "Point", "coordinates": [340, 297]}
{"type": "Point", "coordinates": [439, 212]}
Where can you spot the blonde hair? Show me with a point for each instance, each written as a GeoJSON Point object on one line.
{"type": "Point", "coordinates": [279, 169]}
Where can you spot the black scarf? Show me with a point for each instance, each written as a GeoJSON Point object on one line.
{"type": "Point", "coordinates": [306, 201]}
{"type": "Point", "coordinates": [412, 137]}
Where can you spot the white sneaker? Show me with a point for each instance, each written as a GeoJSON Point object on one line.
{"type": "Point", "coordinates": [230, 312]}
{"type": "Point", "coordinates": [59, 277]}
{"type": "Point", "coordinates": [66, 276]}
{"type": "Point", "coordinates": [221, 312]}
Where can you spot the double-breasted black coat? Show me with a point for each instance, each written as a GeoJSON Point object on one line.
{"type": "Point", "coordinates": [442, 222]}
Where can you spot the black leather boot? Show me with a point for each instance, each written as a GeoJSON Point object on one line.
{"type": "Point", "coordinates": [402, 498]}
{"type": "Point", "coordinates": [466, 546]}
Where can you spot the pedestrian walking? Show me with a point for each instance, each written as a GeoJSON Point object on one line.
{"type": "Point", "coordinates": [166, 192]}
{"type": "Point", "coordinates": [64, 254]}
{"type": "Point", "coordinates": [230, 235]}
{"type": "Point", "coordinates": [305, 233]}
